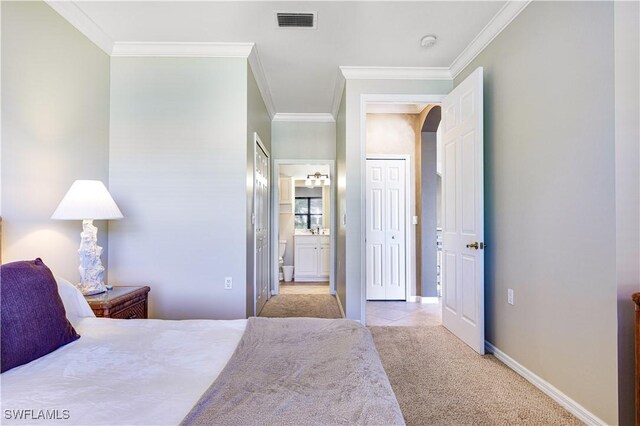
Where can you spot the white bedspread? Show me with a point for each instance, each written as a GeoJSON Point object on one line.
{"type": "Point", "coordinates": [123, 372]}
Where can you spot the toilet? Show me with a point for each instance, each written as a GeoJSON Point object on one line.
{"type": "Point", "coordinates": [282, 248]}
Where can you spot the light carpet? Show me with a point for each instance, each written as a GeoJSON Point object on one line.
{"type": "Point", "coordinates": [301, 305]}
{"type": "Point", "coordinates": [438, 380]}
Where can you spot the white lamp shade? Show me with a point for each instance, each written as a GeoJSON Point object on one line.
{"type": "Point", "coordinates": [87, 199]}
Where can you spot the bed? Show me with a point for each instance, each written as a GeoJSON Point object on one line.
{"type": "Point", "coordinates": [162, 372]}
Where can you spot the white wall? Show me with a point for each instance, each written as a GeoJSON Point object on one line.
{"type": "Point", "coordinates": [258, 121]}
{"type": "Point", "coordinates": [55, 129]}
{"type": "Point", "coordinates": [395, 134]}
{"type": "Point", "coordinates": [178, 169]}
{"type": "Point", "coordinates": [627, 163]}
{"type": "Point", "coordinates": [294, 140]}
{"type": "Point", "coordinates": [550, 198]}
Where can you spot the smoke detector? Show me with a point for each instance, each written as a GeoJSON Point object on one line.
{"type": "Point", "coordinates": [428, 40]}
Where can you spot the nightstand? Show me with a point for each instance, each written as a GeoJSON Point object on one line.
{"type": "Point", "coordinates": [121, 302]}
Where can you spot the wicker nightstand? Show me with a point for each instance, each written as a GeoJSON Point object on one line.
{"type": "Point", "coordinates": [121, 302]}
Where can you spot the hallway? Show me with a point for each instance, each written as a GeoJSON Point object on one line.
{"type": "Point", "coordinates": [302, 300]}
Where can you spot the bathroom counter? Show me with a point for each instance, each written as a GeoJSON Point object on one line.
{"type": "Point", "coordinates": [308, 232]}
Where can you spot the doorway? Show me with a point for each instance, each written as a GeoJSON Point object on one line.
{"type": "Point", "coordinates": [395, 147]}
{"type": "Point", "coordinates": [304, 205]}
{"type": "Point", "coordinates": [462, 209]}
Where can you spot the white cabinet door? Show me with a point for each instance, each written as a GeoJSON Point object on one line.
{"type": "Point", "coordinates": [324, 257]}
{"type": "Point", "coordinates": [284, 194]}
{"type": "Point", "coordinates": [306, 259]}
{"type": "Point", "coordinates": [463, 197]}
{"type": "Point", "coordinates": [312, 260]}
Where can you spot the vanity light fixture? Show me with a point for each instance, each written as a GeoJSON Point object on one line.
{"type": "Point", "coordinates": [316, 180]}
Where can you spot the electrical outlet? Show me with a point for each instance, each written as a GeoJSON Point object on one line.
{"type": "Point", "coordinates": [228, 283]}
{"type": "Point", "coordinates": [510, 296]}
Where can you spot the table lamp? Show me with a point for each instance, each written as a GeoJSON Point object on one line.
{"type": "Point", "coordinates": [87, 200]}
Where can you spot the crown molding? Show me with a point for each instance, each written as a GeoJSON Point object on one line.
{"type": "Point", "coordinates": [178, 49]}
{"type": "Point", "coordinates": [337, 94]}
{"type": "Point", "coordinates": [261, 81]}
{"type": "Point", "coordinates": [70, 11]}
{"type": "Point", "coordinates": [314, 117]}
{"type": "Point", "coordinates": [76, 17]}
{"type": "Point", "coordinates": [396, 73]}
{"type": "Point", "coordinates": [499, 22]}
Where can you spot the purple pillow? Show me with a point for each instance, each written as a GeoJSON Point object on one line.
{"type": "Point", "coordinates": [34, 321]}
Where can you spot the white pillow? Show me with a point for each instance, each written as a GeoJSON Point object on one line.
{"type": "Point", "coordinates": [74, 302]}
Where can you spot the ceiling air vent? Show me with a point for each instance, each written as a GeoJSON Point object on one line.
{"type": "Point", "coordinates": [299, 20]}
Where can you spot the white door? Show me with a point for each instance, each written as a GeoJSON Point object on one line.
{"type": "Point", "coordinates": [385, 229]}
{"type": "Point", "coordinates": [261, 225]}
{"type": "Point", "coordinates": [463, 204]}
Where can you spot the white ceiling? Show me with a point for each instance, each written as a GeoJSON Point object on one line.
{"type": "Point", "coordinates": [301, 66]}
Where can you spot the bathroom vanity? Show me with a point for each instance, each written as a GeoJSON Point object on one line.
{"type": "Point", "coordinates": [312, 257]}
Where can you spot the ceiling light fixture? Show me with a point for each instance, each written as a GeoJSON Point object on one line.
{"type": "Point", "coordinates": [428, 40]}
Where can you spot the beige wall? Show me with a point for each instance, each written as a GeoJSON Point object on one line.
{"type": "Point", "coordinates": [395, 134]}
{"type": "Point", "coordinates": [550, 198]}
{"type": "Point", "coordinates": [178, 166]}
{"type": "Point", "coordinates": [55, 129]}
{"type": "Point", "coordinates": [627, 160]}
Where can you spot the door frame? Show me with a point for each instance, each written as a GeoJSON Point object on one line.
{"type": "Point", "coordinates": [275, 219]}
{"type": "Point", "coordinates": [409, 249]}
{"type": "Point", "coordinates": [364, 99]}
{"type": "Point", "coordinates": [258, 142]}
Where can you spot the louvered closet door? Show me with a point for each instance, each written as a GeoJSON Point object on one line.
{"type": "Point", "coordinates": [385, 230]}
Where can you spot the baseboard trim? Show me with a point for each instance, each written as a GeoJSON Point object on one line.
{"type": "Point", "coordinates": [340, 307]}
{"type": "Point", "coordinates": [554, 393]}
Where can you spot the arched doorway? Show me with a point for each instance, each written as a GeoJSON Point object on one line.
{"type": "Point", "coordinates": [427, 244]}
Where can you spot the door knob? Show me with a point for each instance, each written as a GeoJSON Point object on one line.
{"type": "Point", "coordinates": [476, 245]}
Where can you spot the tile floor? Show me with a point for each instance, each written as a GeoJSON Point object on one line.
{"type": "Point", "coordinates": [403, 313]}
{"type": "Point", "coordinates": [304, 287]}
